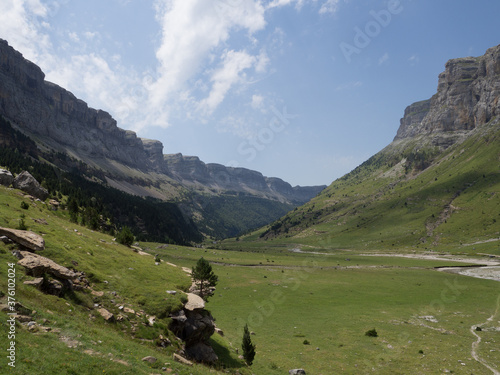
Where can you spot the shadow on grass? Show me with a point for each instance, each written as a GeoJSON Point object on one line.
{"type": "Point", "coordinates": [225, 357]}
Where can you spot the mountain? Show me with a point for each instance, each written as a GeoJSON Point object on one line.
{"type": "Point", "coordinates": [59, 122]}
{"type": "Point", "coordinates": [437, 185]}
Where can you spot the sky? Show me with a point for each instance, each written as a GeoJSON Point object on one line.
{"type": "Point", "coordinates": [304, 90]}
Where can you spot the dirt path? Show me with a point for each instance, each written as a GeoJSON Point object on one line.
{"type": "Point", "coordinates": [475, 344]}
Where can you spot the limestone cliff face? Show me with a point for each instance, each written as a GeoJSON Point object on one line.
{"type": "Point", "coordinates": [467, 97]}
{"type": "Point", "coordinates": [191, 171]}
{"type": "Point", "coordinates": [56, 116]}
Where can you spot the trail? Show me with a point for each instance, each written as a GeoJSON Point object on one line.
{"type": "Point", "coordinates": [475, 344]}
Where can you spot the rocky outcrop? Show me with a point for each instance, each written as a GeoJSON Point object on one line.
{"type": "Point", "coordinates": [468, 96]}
{"type": "Point", "coordinates": [195, 326]}
{"type": "Point", "coordinates": [191, 171]}
{"type": "Point", "coordinates": [26, 239]}
{"type": "Point", "coordinates": [6, 177]}
{"type": "Point", "coordinates": [27, 183]}
{"type": "Point", "coordinates": [37, 265]}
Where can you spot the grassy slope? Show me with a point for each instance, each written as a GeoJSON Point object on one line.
{"type": "Point", "coordinates": [450, 205]}
{"type": "Point", "coordinates": [125, 277]}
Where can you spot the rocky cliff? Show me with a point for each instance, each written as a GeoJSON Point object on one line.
{"type": "Point", "coordinates": [467, 97]}
{"type": "Point", "coordinates": [56, 118]}
{"type": "Point", "coordinates": [191, 171]}
{"type": "Point", "coordinates": [59, 119]}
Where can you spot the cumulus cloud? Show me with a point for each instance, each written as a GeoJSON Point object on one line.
{"type": "Point", "coordinates": [21, 23]}
{"type": "Point", "coordinates": [231, 72]}
{"type": "Point", "coordinates": [191, 31]}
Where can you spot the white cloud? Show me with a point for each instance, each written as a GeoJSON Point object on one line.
{"type": "Point", "coordinates": [21, 22]}
{"type": "Point", "coordinates": [191, 32]}
{"type": "Point", "coordinates": [414, 59]}
{"type": "Point", "coordinates": [234, 63]}
{"type": "Point", "coordinates": [383, 59]}
{"type": "Point", "coordinates": [257, 101]}
{"type": "Point", "coordinates": [349, 86]}
{"type": "Point", "coordinates": [329, 6]}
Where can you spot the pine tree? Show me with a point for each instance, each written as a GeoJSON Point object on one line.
{"type": "Point", "coordinates": [203, 276]}
{"type": "Point", "coordinates": [248, 347]}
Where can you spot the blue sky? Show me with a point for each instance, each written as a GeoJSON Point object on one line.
{"type": "Point", "coordinates": [304, 90]}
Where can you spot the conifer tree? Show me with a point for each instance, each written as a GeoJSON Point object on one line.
{"type": "Point", "coordinates": [248, 347]}
{"type": "Point", "coordinates": [203, 276]}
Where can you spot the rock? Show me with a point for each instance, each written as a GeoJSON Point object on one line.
{"type": "Point", "coordinates": [36, 265]}
{"type": "Point", "coordinates": [109, 317]}
{"type": "Point", "coordinates": [5, 239]}
{"type": "Point", "coordinates": [219, 331]}
{"type": "Point", "coordinates": [37, 283]}
{"type": "Point", "coordinates": [297, 371]}
{"type": "Point", "coordinates": [6, 177]}
{"type": "Point", "coordinates": [182, 360]}
{"type": "Point", "coordinates": [149, 359]}
{"type": "Point", "coordinates": [201, 352]}
{"type": "Point", "coordinates": [27, 183]}
{"type": "Point", "coordinates": [194, 302]}
{"type": "Point", "coordinates": [27, 239]}
{"type": "Point", "coordinates": [54, 287]}
{"type": "Point", "coordinates": [172, 292]}
{"type": "Point", "coordinates": [467, 97]}
{"type": "Point", "coordinates": [128, 310]}
{"type": "Point", "coordinates": [54, 204]}
{"type": "Point", "coordinates": [195, 328]}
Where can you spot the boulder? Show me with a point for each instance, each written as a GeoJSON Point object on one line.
{"type": "Point", "coordinates": [202, 352]}
{"type": "Point", "coordinates": [37, 283]}
{"type": "Point", "coordinates": [195, 328]}
{"type": "Point", "coordinates": [149, 359]}
{"type": "Point", "coordinates": [37, 265]}
{"type": "Point", "coordinates": [182, 360]}
{"type": "Point", "coordinates": [27, 183]}
{"type": "Point", "coordinates": [6, 177]}
{"type": "Point", "coordinates": [297, 371]}
{"type": "Point", "coordinates": [194, 302]}
{"type": "Point", "coordinates": [54, 288]}
{"type": "Point", "coordinates": [109, 317]}
{"type": "Point", "coordinates": [27, 239]}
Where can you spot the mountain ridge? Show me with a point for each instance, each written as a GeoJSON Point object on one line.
{"type": "Point", "coordinates": [66, 123]}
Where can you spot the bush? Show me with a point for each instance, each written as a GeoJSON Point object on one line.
{"type": "Point", "coordinates": [25, 205]}
{"type": "Point", "coordinates": [125, 237]}
{"type": "Point", "coordinates": [306, 342]}
{"type": "Point", "coordinates": [371, 333]}
{"type": "Point", "coordinates": [22, 225]}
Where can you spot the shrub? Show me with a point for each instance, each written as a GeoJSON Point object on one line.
{"type": "Point", "coordinates": [306, 342]}
{"type": "Point", "coordinates": [371, 333]}
{"type": "Point", "coordinates": [125, 237]}
{"type": "Point", "coordinates": [25, 205]}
